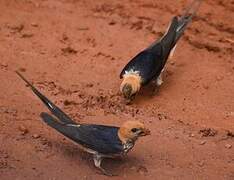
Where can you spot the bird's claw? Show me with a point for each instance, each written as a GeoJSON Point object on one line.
{"type": "Point", "coordinates": [106, 173]}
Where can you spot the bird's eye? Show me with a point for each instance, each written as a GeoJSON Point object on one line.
{"type": "Point", "coordinates": [134, 130]}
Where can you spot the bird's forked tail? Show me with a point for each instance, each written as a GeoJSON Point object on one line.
{"type": "Point", "coordinates": [186, 17]}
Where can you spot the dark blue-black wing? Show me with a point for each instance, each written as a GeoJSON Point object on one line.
{"type": "Point", "coordinates": [150, 62]}
{"type": "Point", "coordinates": [51, 106]}
{"type": "Point", "coordinates": [100, 138]}
{"type": "Point", "coordinates": [146, 63]}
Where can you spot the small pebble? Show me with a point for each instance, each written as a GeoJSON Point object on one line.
{"type": "Point", "coordinates": [3, 64]}
{"type": "Point", "coordinates": [22, 69]}
{"type": "Point", "coordinates": [133, 168]}
{"type": "Point", "coordinates": [205, 86]}
{"type": "Point", "coordinates": [136, 23]}
{"type": "Point", "coordinates": [23, 129]}
{"type": "Point", "coordinates": [16, 28]}
{"type": "Point", "coordinates": [228, 146]}
{"type": "Point", "coordinates": [201, 163]}
{"type": "Point", "coordinates": [219, 78]}
{"type": "Point", "coordinates": [112, 22]}
{"type": "Point", "coordinates": [229, 73]}
{"type": "Point", "coordinates": [35, 136]}
{"type": "Point", "coordinates": [83, 28]}
{"type": "Point", "coordinates": [191, 135]}
{"type": "Point", "coordinates": [142, 170]}
{"type": "Point", "coordinates": [6, 156]}
{"type": "Point", "coordinates": [202, 142]}
{"type": "Point", "coordinates": [89, 85]}
{"type": "Point", "coordinates": [156, 28]}
{"type": "Point", "coordinates": [172, 62]}
{"type": "Point", "coordinates": [27, 35]}
{"type": "Point", "coordinates": [34, 24]}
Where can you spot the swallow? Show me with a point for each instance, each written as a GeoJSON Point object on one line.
{"type": "Point", "coordinates": [148, 65]}
{"type": "Point", "coordinates": [101, 141]}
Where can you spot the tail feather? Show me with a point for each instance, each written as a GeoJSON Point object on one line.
{"type": "Point", "coordinates": [177, 26]}
{"type": "Point", "coordinates": [52, 107]}
{"type": "Point", "coordinates": [186, 17]}
{"type": "Point", "coordinates": [68, 130]}
{"type": "Point", "coordinates": [51, 121]}
{"type": "Point", "coordinates": [192, 8]}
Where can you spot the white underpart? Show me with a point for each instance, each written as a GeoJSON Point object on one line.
{"type": "Point", "coordinates": [172, 52]}
{"type": "Point", "coordinates": [131, 71]}
{"type": "Point", "coordinates": [159, 80]}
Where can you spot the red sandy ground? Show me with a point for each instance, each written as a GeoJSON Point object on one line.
{"type": "Point", "coordinates": [74, 50]}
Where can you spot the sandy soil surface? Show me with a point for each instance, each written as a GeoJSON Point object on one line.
{"type": "Point", "coordinates": [74, 50]}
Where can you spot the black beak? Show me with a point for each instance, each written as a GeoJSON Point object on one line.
{"type": "Point", "coordinates": [145, 132]}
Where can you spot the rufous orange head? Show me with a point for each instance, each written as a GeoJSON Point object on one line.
{"type": "Point", "coordinates": [130, 85]}
{"type": "Point", "coordinates": [132, 130]}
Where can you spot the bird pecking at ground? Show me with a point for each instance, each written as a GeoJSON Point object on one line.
{"type": "Point", "coordinates": [149, 64]}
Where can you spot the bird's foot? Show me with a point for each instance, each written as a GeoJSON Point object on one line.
{"type": "Point", "coordinates": [97, 161]}
{"type": "Point", "coordinates": [106, 173]}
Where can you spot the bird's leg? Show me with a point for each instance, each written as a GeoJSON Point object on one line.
{"type": "Point", "coordinates": [159, 80]}
{"type": "Point", "coordinates": [157, 83]}
{"type": "Point", "coordinates": [97, 162]}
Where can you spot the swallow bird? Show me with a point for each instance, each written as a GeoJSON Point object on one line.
{"type": "Point", "coordinates": [149, 64]}
{"type": "Point", "coordinates": [99, 140]}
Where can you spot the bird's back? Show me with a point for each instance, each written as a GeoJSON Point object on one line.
{"type": "Point", "coordinates": [150, 62]}
{"type": "Point", "coordinates": [145, 64]}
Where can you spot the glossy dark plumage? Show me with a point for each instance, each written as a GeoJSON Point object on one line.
{"type": "Point", "coordinates": [63, 117]}
{"type": "Point", "coordinates": [150, 62]}
{"type": "Point", "coordinates": [99, 138]}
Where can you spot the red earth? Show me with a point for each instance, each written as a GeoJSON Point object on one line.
{"type": "Point", "coordinates": [74, 50]}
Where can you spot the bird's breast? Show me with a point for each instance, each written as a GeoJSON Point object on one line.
{"type": "Point", "coordinates": [128, 146]}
